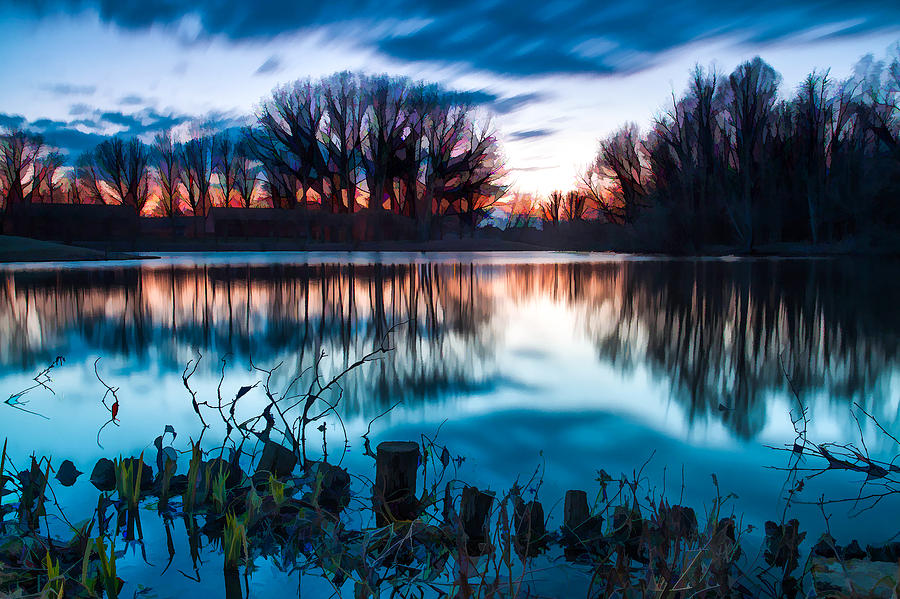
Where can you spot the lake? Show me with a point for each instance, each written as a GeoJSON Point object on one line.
{"type": "Point", "coordinates": [556, 363]}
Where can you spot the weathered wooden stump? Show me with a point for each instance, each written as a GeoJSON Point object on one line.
{"type": "Point", "coordinates": [575, 511]}
{"type": "Point", "coordinates": [530, 530]}
{"type": "Point", "coordinates": [394, 494]}
{"type": "Point", "coordinates": [276, 460]}
{"type": "Point", "coordinates": [582, 533]}
{"type": "Point", "coordinates": [330, 486]}
{"type": "Point", "coordinates": [474, 510]}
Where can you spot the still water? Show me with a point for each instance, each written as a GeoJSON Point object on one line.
{"type": "Point", "coordinates": [559, 363]}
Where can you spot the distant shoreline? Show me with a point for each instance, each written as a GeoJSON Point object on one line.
{"type": "Point", "coordinates": [23, 249]}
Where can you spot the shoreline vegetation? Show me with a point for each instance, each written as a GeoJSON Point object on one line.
{"type": "Point", "coordinates": [23, 249]}
{"type": "Point", "coordinates": [272, 488]}
{"type": "Point", "coordinates": [417, 529]}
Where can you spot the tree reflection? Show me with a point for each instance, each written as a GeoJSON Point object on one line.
{"type": "Point", "coordinates": [263, 313]}
{"type": "Point", "coordinates": [721, 333]}
{"type": "Point", "coordinates": [718, 333]}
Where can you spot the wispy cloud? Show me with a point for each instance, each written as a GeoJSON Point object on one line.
{"type": "Point", "coordinates": [132, 100]}
{"type": "Point", "coordinates": [70, 89]}
{"type": "Point", "coordinates": [513, 103]}
{"type": "Point", "coordinates": [531, 134]}
{"type": "Point", "coordinates": [528, 169]}
{"type": "Point", "coordinates": [79, 108]}
{"type": "Point", "coordinates": [271, 65]}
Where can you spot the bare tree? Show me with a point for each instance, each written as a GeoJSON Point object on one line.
{"type": "Point", "coordinates": [551, 208]}
{"type": "Point", "coordinates": [246, 172]}
{"type": "Point", "coordinates": [87, 179]}
{"type": "Point", "coordinates": [574, 205]}
{"type": "Point", "coordinates": [168, 175]}
{"type": "Point", "coordinates": [445, 129]}
{"type": "Point", "coordinates": [286, 140]}
{"type": "Point", "coordinates": [342, 136]}
{"type": "Point", "coordinates": [388, 115]}
{"type": "Point", "coordinates": [225, 164]}
{"type": "Point", "coordinates": [752, 89]}
{"type": "Point", "coordinates": [813, 112]}
{"type": "Point", "coordinates": [72, 188]}
{"type": "Point", "coordinates": [123, 166]}
{"type": "Point", "coordinates": [476, 178]}
{"type": "Point", "coordinates": [411, 160]}
{"type": "Point", "coordinates": [619, 159]}
{"type": "Point", "coordinates": [46, 186]}
{"type": "Point", "coordinates": [522, 207]}
{"type": "Point", "coordinates": [196, 174]}
{"type": "Point", "coordinates": [703, 114]}
{"type": "Point", "coordinates": [20, 153]}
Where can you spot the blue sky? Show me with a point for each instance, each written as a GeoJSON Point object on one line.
{"type": "Point", "coordinates": [557, 74]}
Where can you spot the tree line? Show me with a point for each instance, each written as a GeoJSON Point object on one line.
{"type": "Point", "coordinates": [338, 144]}
{"type": "Point", "coordinates": [730, 161]}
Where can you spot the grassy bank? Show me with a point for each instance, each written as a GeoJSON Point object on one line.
{"type": "Point", "coordinates": [24, 249]}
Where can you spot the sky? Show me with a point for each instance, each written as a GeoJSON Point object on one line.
{"type": "Point", "coordinates": [557, 75]}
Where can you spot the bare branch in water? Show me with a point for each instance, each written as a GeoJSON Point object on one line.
{"type": "Point", "coordinates": [185, 377]}
{"type": "Point", "coordinates": [114, 408]}
{"type": "Point", "coordinates": [42, 380]}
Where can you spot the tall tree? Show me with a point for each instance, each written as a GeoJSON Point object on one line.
{"type": "Point", "coordinates": [444, 129]}
{"type": "Point", "coordinates": [342, 136]}
{"type": "Point", "coordinates": [477, 174]}
{"type": "Point", "coordinates": [813, 112]}
{"type": "Point", "coordinates": [574, 205]}
{"type": "Point", "coordinates": [286, 140]}
{"type": "Point", "coordinates": [87, 177]}
{"type": "Point", "coordinates": [224, 146]}
{"type": "Point", "coordinates": [196, 172]}
{"type": "Point", "coordinates": [246, 172]}
{"type": "Point", "coordinates": [388, 114]}
{"type": "Point", "coordinates": [551, 208]}
{"type": "Point", "coordinates": [752, 90]}
{"type": "Point", "coordinates": [168, 174]}
{"type": "Point", "coordinates": [123, 166]}
{"type": "Point", "coordinates": [619, 158]}
{"type": "Point", "coordinates": [20, 154]}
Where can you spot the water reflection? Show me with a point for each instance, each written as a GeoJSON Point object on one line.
{"type": "Point", "coordinates": [715, 332]}
{"type": "Point", "coordinates": [723, 334]}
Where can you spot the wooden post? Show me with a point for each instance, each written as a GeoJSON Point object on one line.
{"type": "Point", "coordinates": [474, 510]}
{"type": "Point", "coordinates": [530, 529]}
{"type": "Point", "coordinates": [232, 583]}
{"type": "Point", "coordinates": [582, 532]}
{"type": "Point", "coordinates": [394, 494]}
{"type": "Point", "coordinates": [575, 512]}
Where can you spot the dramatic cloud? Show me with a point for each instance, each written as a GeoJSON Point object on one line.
{"type": "Point", "coordinates": [71, 136]}
{"type": "Point", "coordinates": [528, 37]}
